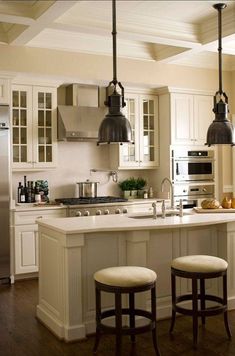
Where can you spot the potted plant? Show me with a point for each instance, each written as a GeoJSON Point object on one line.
{"type": "Point", "coordinates": [140, 184]}
{"type": "Point", "coordinates": [128, 187]}
{"type": "Point", "coordinates": [132, 186]}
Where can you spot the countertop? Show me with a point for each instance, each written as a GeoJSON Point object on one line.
{"type": "Point", "coordinates": [34, 206]}
{"type": "Point", "coordinates": [125, 222]}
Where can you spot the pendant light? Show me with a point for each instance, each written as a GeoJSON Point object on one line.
{"type": "Point", "coordinates": [221, 130]}
{"type": "Point", "coordinates": [114, 128]}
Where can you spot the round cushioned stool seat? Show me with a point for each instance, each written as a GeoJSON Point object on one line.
{"type": "Point", "coordinates": [199, 264]}
{"type": "Point", "coordinates": [125, 276]}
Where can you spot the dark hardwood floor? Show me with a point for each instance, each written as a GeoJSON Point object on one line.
{"type": "Point", "coordinates": [22, 335]}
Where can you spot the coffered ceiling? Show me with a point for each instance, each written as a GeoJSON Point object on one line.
{"type": "Point", "coordinates": [179, 32]}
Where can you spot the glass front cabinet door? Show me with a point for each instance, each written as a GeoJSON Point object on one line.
{"type": "Point", "coordinates": [33, 127]}
{"type": "Point", "coordinates": [141, 111]}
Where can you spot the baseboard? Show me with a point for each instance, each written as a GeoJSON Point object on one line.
{"type": "Point", "coordinates": [67, 334]}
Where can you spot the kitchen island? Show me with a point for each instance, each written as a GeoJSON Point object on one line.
{"type": "Point", "coordinates": [72, 249]}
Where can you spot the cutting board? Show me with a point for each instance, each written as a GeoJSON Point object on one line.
{"type": "Point", "coordinates": [219, 210]}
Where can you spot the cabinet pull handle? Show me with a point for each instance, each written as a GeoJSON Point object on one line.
{"type": "Point", "coordinates": [39, 217]}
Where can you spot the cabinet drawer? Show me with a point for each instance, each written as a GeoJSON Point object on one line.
{"type": "Point", "coordinates": [30, 217]}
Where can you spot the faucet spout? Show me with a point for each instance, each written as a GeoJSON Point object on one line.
{"type": "Point", "coordinates": [171, 190]}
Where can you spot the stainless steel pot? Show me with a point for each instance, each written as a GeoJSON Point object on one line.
{"type": "Point", "coordinates": [87, 189]}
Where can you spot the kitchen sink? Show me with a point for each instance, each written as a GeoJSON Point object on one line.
{"type": "Point", "coordinates": [159, 214]}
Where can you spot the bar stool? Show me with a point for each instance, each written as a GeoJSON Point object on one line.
{"type": "Point", "coordinates": [125, 280]}
{"type": "Point", "coordinates": [199, 268]}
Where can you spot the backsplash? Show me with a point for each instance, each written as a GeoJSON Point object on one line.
{"type": "Point", "coordinates": [75, 159]}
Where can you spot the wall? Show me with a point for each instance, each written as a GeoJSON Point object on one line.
{"type": "Point", "coordinates": [65, 67]}
{"type": "Point", "coordinates": [75, 159]}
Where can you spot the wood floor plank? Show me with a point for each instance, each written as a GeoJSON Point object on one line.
{"type": "Point", "coordinates": [21, 334]}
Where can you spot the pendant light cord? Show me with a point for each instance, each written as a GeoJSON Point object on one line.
{"type": "Point", "coordinates": [219, 7]}
{"type": "Point", "coordinates": [220, 49]}
{"type": "Point", "coordinates": [114, 33]}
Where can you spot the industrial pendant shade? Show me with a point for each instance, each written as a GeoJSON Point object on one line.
{"type": "Point", "coordinates": [115, 128]}
{"type": "Point", "coordinates": [221, 130]}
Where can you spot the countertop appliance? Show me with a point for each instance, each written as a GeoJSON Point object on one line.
{"type": "Point", "coordinates": [192, 165]}
{"type": "Point", "coordinates": [95, 206]}
{"type": "Point", "coordinates": [4, 193]}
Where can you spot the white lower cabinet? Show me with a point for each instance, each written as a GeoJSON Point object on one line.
{"type": "Point", "coordinates": [26, 249]}
{"type": "Point", "coordinates": [25, 238]}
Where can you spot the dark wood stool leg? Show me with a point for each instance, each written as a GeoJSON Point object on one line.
{"type": "Point", "coordinates": [173, 297]}
{"type": "Point", "coordinates": [203, 303]}
{"type": "Point", "coordinates": [132, 313]}
{"type": "Point", "coordinates": [118, 321]}
{"type": "Point", "coordinates": [154, 319]}
{"type": "Point", "coordinates": [195, 311]}
{"type": "Point", "coordinates": [225, 302]}
{"type": "Point", "coordinates": [98, 318]}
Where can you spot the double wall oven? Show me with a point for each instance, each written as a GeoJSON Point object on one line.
{"type": "Point", "coordinates": [193, 175]}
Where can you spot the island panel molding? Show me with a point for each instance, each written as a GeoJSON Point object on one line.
{"type": "Point", "coordinates": [88, 244]}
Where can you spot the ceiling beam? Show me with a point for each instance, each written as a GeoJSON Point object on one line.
{"type": "Point", "coordinates": [56, 9]}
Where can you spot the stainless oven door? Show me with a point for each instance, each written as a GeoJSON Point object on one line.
{"type": "Point", "coordinates": [193, 170]}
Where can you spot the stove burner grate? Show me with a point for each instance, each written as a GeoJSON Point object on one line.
{"type": "Point", "coordinates": [97, 200]}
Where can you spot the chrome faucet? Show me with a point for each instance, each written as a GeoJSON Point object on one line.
{"type": "Point", "coordinates": [154, 205]}
{"type": "Point", "coordinates": [171, 190]}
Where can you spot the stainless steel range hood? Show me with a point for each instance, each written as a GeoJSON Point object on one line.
{"type": "Point", "coordinates": [80, 120]}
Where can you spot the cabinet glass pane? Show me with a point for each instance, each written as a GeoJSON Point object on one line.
{"type": "Point", "coordinates": [23, 99]}
{"type": "Point", "coordinates": [146, 122]}
{"type": "Point", "coordinates": [151, 122]}
{"type": "Point", "coordinates": [40, 118]}
{"type": "Point", "coordinates": [151, 107]}
{"type": "Point", "coordinates": [23, 117]}
{"type": "Point", "coordinates": [15, 115]}
{"type": "Point", "coordinates": [128, 153]}
{"type": "Point", "coordinates": [41, 151]}
{"type": "Point", "coordinates": [48, 118]}
{"type": "Point", "coordinates": [145, 107]}
{"type": "Point", "coordinates": [48, 101]}
{"type": "Point", "coordinates": [48, 136]}
{"type": "Point", "coordinates": [41, 138]}
{"type": "Point", "coordinates": [16, 155]}
{"type": "Point", "coordinates": [16, 135]}
{"type": "Point", "coordinates": [23, 136]}
{"type": "Point", "coordinates": [15, 98]}
{"type": "Point", "coordinates": [41, 100]}
{"type": "Point", "coordinates": [49, 153]}
{"type": "Point", "coordinates": [23, 154]}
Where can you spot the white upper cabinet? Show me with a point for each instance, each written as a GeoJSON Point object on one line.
{"type": "Point", "coordinates": [33, 127]}
{"type": "Point", "coordinates": [142, 112]}
{"type": "Point", "coordinates": [4, 91]}
{"type": "Point", "coordinates": [191, 115]}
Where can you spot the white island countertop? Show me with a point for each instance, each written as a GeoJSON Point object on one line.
{"type": "Point", "coordinates": [124, 222]}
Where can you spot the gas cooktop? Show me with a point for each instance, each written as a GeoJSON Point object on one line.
{"type": "Point", "coordinates": [97, 200]}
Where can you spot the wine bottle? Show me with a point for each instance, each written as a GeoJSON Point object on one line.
{"type": "Point", "coordinates": [19, 192]}
{"type": "Point", "coordinates": [22, 195]}
{"type": "Point", "coordinates": [37, 193]}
